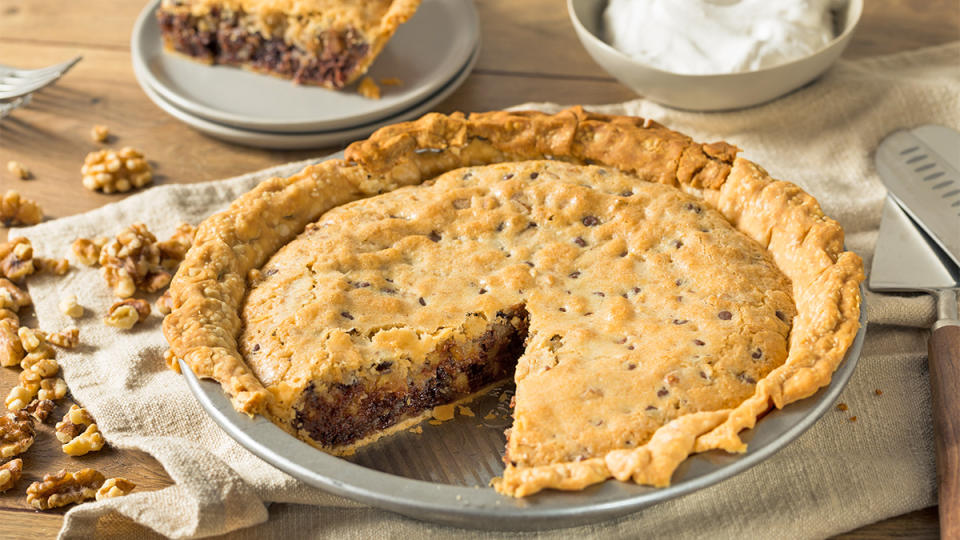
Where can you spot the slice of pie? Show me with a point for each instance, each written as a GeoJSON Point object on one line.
{"type": "Point", "coordinates": [321, 42]}
{"type": "Point", "coordinates": [649, 295]}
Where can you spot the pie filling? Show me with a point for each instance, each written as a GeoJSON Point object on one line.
{"type": "Point", "coordinates": [220, 38]}
{"type": "Point", "coordinates": [343, 414]}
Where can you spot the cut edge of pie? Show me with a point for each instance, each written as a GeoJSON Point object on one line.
{"type": "Point", "coordinates": [318, 42]}
{"type": "Point", "coordinates": [806, 246]}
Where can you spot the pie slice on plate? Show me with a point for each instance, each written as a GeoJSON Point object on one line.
{"type": "Point", "coordinates": [328, 43]}
{"type": "Point", "coordinates": [649, 295]}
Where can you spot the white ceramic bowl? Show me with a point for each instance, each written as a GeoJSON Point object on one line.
{"type": "Point", "coordinates": [707, 92]}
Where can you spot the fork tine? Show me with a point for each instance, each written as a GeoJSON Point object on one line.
{"type": "Point", "coordinates": [37, 73]}
{"type": "Point", "coordinates": [27, 88]}
{"type": "Point", "coordinates": [18, 87]}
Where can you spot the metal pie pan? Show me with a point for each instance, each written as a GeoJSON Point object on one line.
{"type": "Point", "coordinates": [441, 474]}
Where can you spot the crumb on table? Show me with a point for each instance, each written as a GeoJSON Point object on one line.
{"type": "Point", "coordinates": [368, 88]}
{"type": "Point", "coordinates": [842, 406]}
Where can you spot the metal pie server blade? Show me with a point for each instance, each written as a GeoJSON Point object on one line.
{"type": "Point", "coordinates": [921, 169]}
{"type": "Point", "coordinates": [904, 260]}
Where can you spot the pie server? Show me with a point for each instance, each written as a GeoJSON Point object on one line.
{"type": "Point", "coordinates": [906, 259]}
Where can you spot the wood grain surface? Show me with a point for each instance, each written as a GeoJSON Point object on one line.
{"type": "Point", "coordinates": [529, 53]}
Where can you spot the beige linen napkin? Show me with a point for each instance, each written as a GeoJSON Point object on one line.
{"type": "Point", "coordinates": [838, 476]}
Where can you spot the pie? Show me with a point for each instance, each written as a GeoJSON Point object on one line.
{"type": "Point", "coordinates": [328, 43]}
{"type": "Point", "coordinates": [649, 295]}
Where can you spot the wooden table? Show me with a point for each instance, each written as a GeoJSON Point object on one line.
{"type": "Point", "coordinates": [529, 53]}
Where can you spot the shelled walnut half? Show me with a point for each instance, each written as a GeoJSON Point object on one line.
{"type": "Point", "coordinates": [64, 488]}
{"type": "Point", "coordinates": [115, 487]}
{"type": "Point", "coordinates": [18, 210]}
{"type": "Point", "coordinates": [10, 473]}
{"type": "Point", "coordinates": [40, 409]}
{"type": "Point", "coordinates": [16, 434]}
{"type": "Point", "coordinates": [126, 313]}
{"type": "Point", "coordinates": [74, 423]}
{"type": "Point", "coordinates": [110, 171]}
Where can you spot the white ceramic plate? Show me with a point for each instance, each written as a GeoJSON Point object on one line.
{"type": "Point", "coordinates": [293, 141]}
{"type": "Point", "coordinates": [425, 53]}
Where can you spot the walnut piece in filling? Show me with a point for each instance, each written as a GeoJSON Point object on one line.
{"type": "Point", "coordinates": [63, 488]}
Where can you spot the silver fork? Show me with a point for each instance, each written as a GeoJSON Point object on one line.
{"type": "Point", "coordinates": [17, 85]}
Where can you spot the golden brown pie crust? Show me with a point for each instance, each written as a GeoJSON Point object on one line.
{"type": "Point", "coordinates": [805, 245]}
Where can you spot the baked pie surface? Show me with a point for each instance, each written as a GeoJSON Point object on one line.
{"type": "Point", "coordinates": [654, 305]}
{"type": "Point", "coordinates": [324, 42]}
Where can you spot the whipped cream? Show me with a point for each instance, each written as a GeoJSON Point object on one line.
{"type": "Point", "coordinates": [703, 37]}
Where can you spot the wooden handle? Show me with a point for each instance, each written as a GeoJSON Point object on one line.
{"type": "Point", "coordinates": [944, 349]}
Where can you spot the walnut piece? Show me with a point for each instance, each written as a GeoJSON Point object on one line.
{"type": "Point", "coordinates": [20, 396]}
{"type": "Point", "coordinates": [66, 339]}
{"type": "Point", "coordinates": [87, 251]}
{"type": "Point", "coordinates": [16, 434]}
{"type": "Point", "coordinates": [70, 307]}
{"type": "Point", "coordinates": [100, 133]}
{"type": "Point", "coordinates": [164, 304]}
{"type": "Point", "coordinates": [133, 260]}
{"type": "Point", "coordinates": [40, 409]}
{"type": "Point", "coordinates": [18, 210]}
{"type": "Point", "coordinates": [41, 361]}
{"type": "Point", "coordinates": [11, 351]}
{"type": "Point", "coordinates": [13, 297]}
{"type": "Point", "coordinates": [126, 313]}
{"type": "Point", "coordinates": [73, 424]}
{"type": "Point", "coordinates": [57, 267]}
{"type": "Point", "coordinates": [16, 259]}
{"type": "Point", "coordinates": [17, 169]}
{"type": "Point", "coordinates": [110, 171]}
{"type": "Point", "coordinates": [89, 441]}
{"type": "Point", "coordinates": [64, 488]}
{"type": "Point", "coordinates": [53, 388]}
{"type": "Point", "coordinates": [30, 338]}
{"type": "Point", "coordinates": [10, 473]}
{"type": "Point", "coordinates": [174, 249]}
{"type": "Point", "coordinates": [115, 487]}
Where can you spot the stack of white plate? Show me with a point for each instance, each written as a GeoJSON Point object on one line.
{"type": "Point", "coordinates": [430, 55]}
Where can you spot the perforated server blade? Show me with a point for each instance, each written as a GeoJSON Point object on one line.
{"type": "Point", "coordinates": [921, 169]}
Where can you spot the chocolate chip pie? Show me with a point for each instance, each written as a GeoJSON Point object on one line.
{"type": "Point", "coordinates": [322, 42]}
{"type": "Point", "coordinates": [650, 296]}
